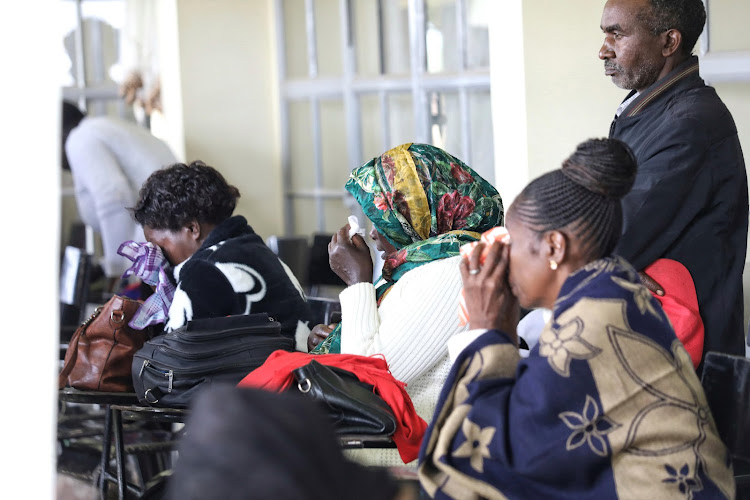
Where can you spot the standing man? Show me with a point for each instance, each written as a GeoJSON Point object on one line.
{"type": "Point", "coordinates": [690, 200]}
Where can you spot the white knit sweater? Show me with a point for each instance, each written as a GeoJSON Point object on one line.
{"type": "Point", "coordinates": [411, 329]}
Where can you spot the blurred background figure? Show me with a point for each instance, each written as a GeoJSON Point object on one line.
{"type": "Point", "coordinates": [109, 159]}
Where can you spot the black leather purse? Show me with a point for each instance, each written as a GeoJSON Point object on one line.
{"type": "Point", "coordinates": [351, 405]}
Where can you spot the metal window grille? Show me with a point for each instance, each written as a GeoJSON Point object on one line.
{"type": "Point", "coordinates": [460, 88]}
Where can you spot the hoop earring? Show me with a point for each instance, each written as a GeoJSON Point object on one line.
{"type": "Point", "coordinates": [553, 265]}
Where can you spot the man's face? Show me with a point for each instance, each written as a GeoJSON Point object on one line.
{"type": "Point", "coordinates": [632, 55]}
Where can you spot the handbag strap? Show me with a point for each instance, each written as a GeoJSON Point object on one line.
{"type": "Point", "coordinates": [71, 355]}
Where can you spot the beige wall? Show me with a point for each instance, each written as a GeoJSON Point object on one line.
{"type": "Point", "coordinates": [228, 85]}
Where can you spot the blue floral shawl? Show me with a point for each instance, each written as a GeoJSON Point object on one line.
{"type": "Point", "coordinates": [607, 405]}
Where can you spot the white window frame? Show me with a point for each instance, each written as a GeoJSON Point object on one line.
{"type": "Point", "coordinates": [350, 86]}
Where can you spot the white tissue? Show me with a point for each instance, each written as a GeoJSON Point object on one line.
{"type": "Point", "coordinates": [354, 227]}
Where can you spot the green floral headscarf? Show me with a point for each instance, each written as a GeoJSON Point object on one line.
{"type": "Point", "coordinates": [427, 203]}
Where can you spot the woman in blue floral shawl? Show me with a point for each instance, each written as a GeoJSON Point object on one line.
{"type": "Point", "coordinates": [424, 204]}
{"type": "Point", "coordinates": [607, 404]}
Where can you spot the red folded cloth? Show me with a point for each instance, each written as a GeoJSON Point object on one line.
{"type": "Point", "coordinates": [680, 303]}
{"type": "Point", "coordinates": [276, 375]}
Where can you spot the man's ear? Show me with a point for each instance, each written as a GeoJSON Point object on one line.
{"type": "Point", "coordinates": [555, 245]}
{"type": "Point", "coordinates": [672, 43]}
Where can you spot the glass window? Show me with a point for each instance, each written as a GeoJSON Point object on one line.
{"type": "Point", "coordinates": [482, 145]}
{"type": "Point", "coordinates": [333, 151]}
{"type": "Point", "coordinates": [372, 127]}
{"type": "Point", "coordinates": [295, 38]}
{"type": "Point", "coordinates": [395, 36]}
{"type": "Point", "coordinates": [400, 119]}
{"type": "Point", "coordinates": [441, 37]}
{"type": "Point", "coordinates": [301, 153]}
{"type": "Point", "coordinates": [477, 34]}
{"type": "Point", "coordinates": [445, 122]}
{"type": "Point", "coordinates": [366, 15]}
{"type": "Point", "coordinates": [305, 217]}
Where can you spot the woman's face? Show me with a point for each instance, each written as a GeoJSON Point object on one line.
{"type": "Point", "coordinates": [382, 243]}
{"type": "Point", "coordinates": [530, 277]}
{"type": "Point", "coordinates": [178, 246]}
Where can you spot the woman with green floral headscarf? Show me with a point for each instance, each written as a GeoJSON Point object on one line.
{"type": "Point", "coordinates": [424, 204]}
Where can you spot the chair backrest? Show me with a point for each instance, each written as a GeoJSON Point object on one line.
{"type": "Point", "coordinates": [321, 280]}
{"type": "Point", "coordinates": [75, 270]}
{"type": "Point", "coordinates": [726, 382]}
{"type": "Point", "coordinates": [325, 310]}
{"type": "Point", "coordinates": [294, 251]}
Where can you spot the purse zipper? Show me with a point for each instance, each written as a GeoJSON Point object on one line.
{"type": "Point", "coordinates": [217, 352]}
{"type": "Point", "coordinates": [198, 337]}
{"type": "Point", "coordinates": [169, 374]}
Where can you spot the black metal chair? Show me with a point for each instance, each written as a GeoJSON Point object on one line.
{"type": "Point", "coordinates": [75, 273]}
{"type": "Point", "coordinates": [294, 251]}
{"type": "Point", "coordinates": [325, 310]}
{"type": "Point", "coordinates": [726, 382]}
{"type": "Point", "coordinates": [322, 282]}
{"type": "Point", "coordinates": [104, 428]}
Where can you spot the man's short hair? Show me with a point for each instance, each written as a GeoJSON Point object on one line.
{"type": "Point", "coordinates": [686, 16]}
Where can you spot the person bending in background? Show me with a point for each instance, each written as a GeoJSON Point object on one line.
{"type": "Point", "coordinates": [607, 404]}
{"type": "Point", "coordinates": [219, 266]}
{"type": "Point", "coordinates": [109, 160]}
{"type": "Point", "coordinates": [424, 204]}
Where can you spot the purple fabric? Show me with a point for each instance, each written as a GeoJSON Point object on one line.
{"type": "Point", "coordinates": [150, 265]}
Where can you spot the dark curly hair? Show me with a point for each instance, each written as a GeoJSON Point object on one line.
{"type": "Point", "coordinates": [583, 196]}
{"type": "Point", "coordinates": [686, 16]}
{"type": "Point", "coordinates": [178, 194]}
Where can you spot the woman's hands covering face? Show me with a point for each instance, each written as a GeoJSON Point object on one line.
{"type": "Point", "coordinates": [490, 303]}
{"type": "Point", "coordinates": [350, 258]}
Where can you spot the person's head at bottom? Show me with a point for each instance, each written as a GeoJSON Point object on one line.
{"type": "Point", "coordinates": [178, 207]}
{"type": "Point", "coordinates": [244, 443]}
{"type": "Point", "coordinates": [560, 222]}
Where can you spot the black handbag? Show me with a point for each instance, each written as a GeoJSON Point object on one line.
{"type": "Point", "coordinates": [351, 405]}
{"type": "Point", "coordinates": [170, 368]}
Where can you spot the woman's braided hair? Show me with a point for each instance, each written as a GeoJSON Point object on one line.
{"type": "Point", "coordinates": [582, 197]}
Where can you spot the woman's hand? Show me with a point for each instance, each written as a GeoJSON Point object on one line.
{"type": "Point", "coordinates": [490, 303]}
{"type": "Point", "coordinates": [651, 283]}
{"type": "Point", "coordinates": [350, 258]}
{"type": "Point", "coordinates": [318, 334]}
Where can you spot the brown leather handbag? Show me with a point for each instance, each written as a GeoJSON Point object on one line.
{"type": "Point", "coordinates": [100, 354]}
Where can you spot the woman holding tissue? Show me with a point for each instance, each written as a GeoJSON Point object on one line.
{"type": "Point", "coordinates": [607, 405]}
{"type": "Point", "coordinates": [424, 204]}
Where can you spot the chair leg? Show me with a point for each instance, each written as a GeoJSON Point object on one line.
{"type": "Point", "coordinates": [120, 453]}
{"type": "Point", "coordinates": [106, 444]}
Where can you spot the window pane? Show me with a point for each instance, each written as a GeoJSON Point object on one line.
{"type": "Point", "coordinates": [477, 34]}
{"type": "Point", "coordinates": [372, 127]}
{"type": "Point", "coordinates": [336, 213]}
{"type": "Point", "coordinates": [400, 119]}
{"type": "Point", "coordinates": [102, 24]}
{"type": "Point", "coordinates": [335, 158]}
{"type": "Point", "coordinates": [395, 22]}
{"type": "Point", "coordinates": [301, 145]}
{"type": "Point", "coordinates": [67, 20]}
{"type": "Point", "coordinates": [328, 37]}
{"type": "Point", "coordinates": [482, 146]}
{"type": "Point", "coordinates": [445, 122]}
{"type": "Point", "coordinates": [305, 216]}
{"type": "Point", "coordinates": [295, 38]}
{"type": "Point", "coordinates": [367, 36]}
{"type": "Point", "coordinates": [441, 38]}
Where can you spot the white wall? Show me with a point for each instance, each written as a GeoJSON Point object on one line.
{"type": "Point", "coordinates": [30, 204]}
